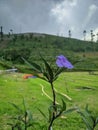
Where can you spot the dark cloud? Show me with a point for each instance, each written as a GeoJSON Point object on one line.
{"type": "Point", "coordinates": [31, 16]}
{"type": "Point", "coordinates": [49, 16]}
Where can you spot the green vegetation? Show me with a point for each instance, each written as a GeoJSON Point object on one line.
{"type": "Point", "coordinates": [76, 88]}
{"type": "Point", "coordinates": [29, 45]}
{"type": "Point", "coordinates": [82, 87]}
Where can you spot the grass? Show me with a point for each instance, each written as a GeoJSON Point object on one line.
{"type": "Point", "coordinates": [80, 86]}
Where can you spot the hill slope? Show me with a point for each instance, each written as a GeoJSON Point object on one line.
{"type": "Point", "coordinates": [29, 45]}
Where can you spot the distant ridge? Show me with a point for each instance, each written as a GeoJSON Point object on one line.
{"type": "Point", "coordinates": [30, 44]}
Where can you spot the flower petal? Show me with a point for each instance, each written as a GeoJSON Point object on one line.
{"type": "Point", "coordinates": [63, 62]}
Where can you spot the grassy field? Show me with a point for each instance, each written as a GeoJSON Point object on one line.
{"type": "Point", "coordinates": [81, 87]}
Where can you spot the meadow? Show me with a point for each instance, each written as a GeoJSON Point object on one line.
{"type": "Point", "coordinates": [80, 87]}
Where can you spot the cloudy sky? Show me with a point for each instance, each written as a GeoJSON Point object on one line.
{"type": "Point", "coordinates": [50, 16]}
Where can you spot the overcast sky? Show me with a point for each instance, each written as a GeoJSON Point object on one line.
{"type": "Point", "coordinates": [50, 16]}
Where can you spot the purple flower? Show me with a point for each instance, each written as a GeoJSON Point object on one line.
{"type": "Point", "coordinates": [63, 62]}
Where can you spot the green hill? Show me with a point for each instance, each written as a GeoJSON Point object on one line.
{"type": "Point", "coordinates": [29, 45]}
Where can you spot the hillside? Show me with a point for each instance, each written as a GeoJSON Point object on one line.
{"type": "Point", "coordinates": [29, 45]}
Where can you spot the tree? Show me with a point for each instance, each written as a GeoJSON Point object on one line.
{"type": "Point", "coordinates": [92, 36]}
{"type": "Point", "coordinates": [9, 34]}
{"type": "Point", "coordinates": [92, 40]}
{"type": "Point", "coordinates": [11, 31]}
{"type": "Point", "coordinates": [69, 33]}
{"type": "Point", "coordinates": [97, 37]}
{"type": "Point", "coordinates": [1, 33]}
{"type": "Point", "coordinates": [84, 34]}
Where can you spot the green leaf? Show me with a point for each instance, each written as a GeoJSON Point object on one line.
{"type": "Point", "coordinates": [87, 118]}
{"type": "Point", "coordinates": [96, 122]}
{"type": "Point", "coordinates": [50, 114]}
{"type": "Point", "coordinates": [30, 117]}
{"type": "Point", "coordinates": [46, 75]}
{"type": "Point", "coordinates": [43, 114]}
{"type": "Point", "coordinates": [49, 70]}
{"type": "Point", "coordinates": [58, 71]}
{"type": "Point", "coordinates": [34, 66]}
{"type": "Point", "coordinates": [15, 106]}
{"type": "Point", "coordinates": [24, 105]}
{"type": "Point", "coordinates": [69, 110]}
{"type": "Point", "coordinates": [30, 121]}
{"type": "Point", "coordinates": [87, 123]}
{"type": "Point", "coordinates": [64, 105]}
{"type": "Point", "coordinates": [51, 110]}
{"type": "Point", "coordinates": [10, 124]}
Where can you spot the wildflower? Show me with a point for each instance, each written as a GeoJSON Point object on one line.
{"type": "Point", "coordinates": [63, 62]}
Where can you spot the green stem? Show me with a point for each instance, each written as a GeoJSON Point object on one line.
{"type": "Point", "coordinates": [25, 120]}
{"type": "Point", "coordinates": [54, 103]}
{"type": "Point", "coordinates": [54, 96]}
